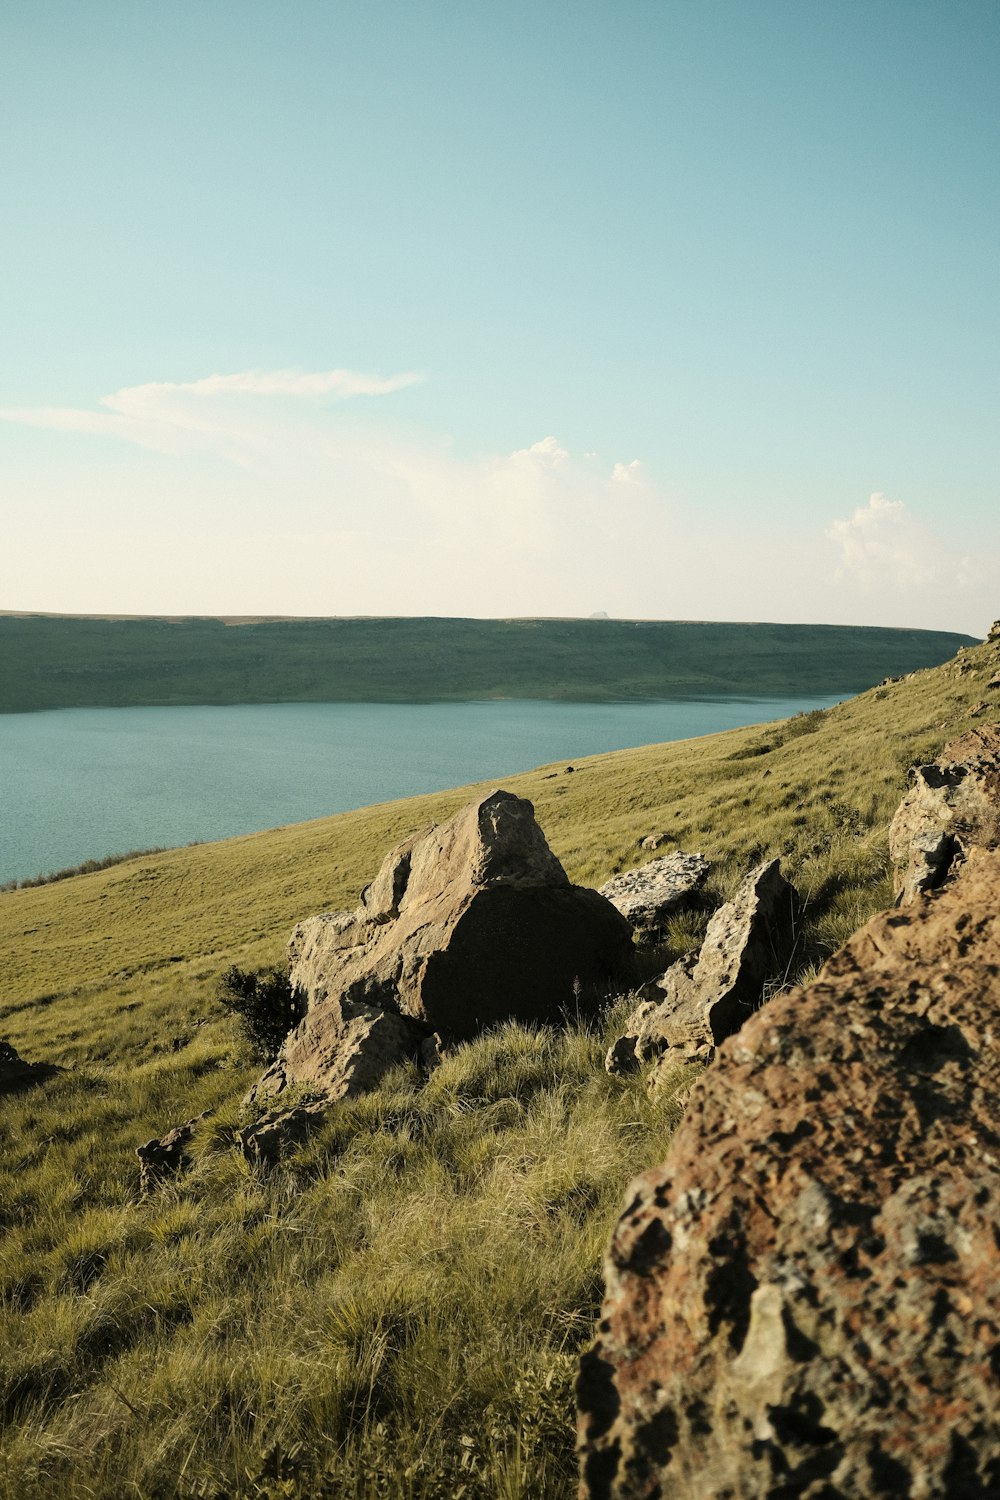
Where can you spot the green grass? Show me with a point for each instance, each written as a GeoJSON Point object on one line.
{"type": "Point", "coordinates": [397, 1310]}
{"type": "Point", "coordinates": [72, 661]}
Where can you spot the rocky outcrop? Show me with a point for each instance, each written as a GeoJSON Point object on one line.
{"type": "Point", "coordinates": [953, 803]}
{"type": "Point", "coordinates": [648, 896]}
{"type": "Point", "coordinates": [342, 1048]}
{"type": "Point", "coordinates": [465, 925]}
{"type": "Point", "coordinates": [702, 999]}
{"type": "Point", "coordinates": [160, 1159]}
{"type": "Point", "coordinates": [805, 1300]}
{"type": "Point", "coordinates": [16, 1073]}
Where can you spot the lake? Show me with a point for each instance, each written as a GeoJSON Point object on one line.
{"type": "Point", "coordinates": [81, 783]}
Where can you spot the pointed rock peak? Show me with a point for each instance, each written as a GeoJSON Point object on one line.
{"type": "Point", "coordinates": [495, 841]}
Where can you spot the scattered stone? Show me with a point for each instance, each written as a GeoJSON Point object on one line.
{"type": "Point", "coordinates": [269, 1137]}
{"type": "Point", "coordinates": [17, 1074]}
{"type": "Point", "coordinates": [653, 841]}
{"type": "Point", "coordinates": [164, 1158]}
{"type": "Point", "coordinates": [994, 681]}
{"type": "Point", "coordinates": [702, 999]}
{"type": "Point", "coordinates": [803, 1301]}
{"type": "Point", "coordinates": [465, 925]}
{"type": "Point", "coordinates": [977, 709]}
{"type": "Point", "coordinates": [340, 1049]}
{"type": "Point", "coordinates": [647, 896]}
{"type": "Point", "coordinates": [958, 794]}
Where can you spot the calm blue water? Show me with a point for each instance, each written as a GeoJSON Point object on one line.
{"type": "Point", "coordinates": [80, 783]}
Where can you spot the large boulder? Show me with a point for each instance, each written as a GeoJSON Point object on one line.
{"type": "Point", "coordinates": [953, 803]}
{"type": "Point", "coordinates": [702, 999]}
{"type": "Point", "coordinates": [467, 924]}
{"type": "Point", "coordinates": [649, 895]}
{"type": "Point", "coordinates": [805, 1299]}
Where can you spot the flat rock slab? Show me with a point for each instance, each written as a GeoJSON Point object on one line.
{"type": "Point", "coordinates": [465, 925]}
{"type": "Point", "coordinates": [649, 895]}
{"type": "Point", "coordinates": [805, 1299]}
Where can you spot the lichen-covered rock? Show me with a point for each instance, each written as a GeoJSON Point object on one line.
{"type": "Point", "coordinates": [805, 1299]}
{"type": "Point", "coordinates": [957, 795]}
{"type": "Point", "coordinates": [465, 925]}
{"type": "Point", "coordinates": [649, 895]}
{"type": "Point", "coordinates": [17, 1073]}
{"type": "Point", "coordinates": [701, 1000]}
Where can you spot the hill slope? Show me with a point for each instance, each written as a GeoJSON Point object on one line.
{"type": "Point", "coordinates": [398, 1310]}
{"type": "Point", "coordinates": [73, 661]}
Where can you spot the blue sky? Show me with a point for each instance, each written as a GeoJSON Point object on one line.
{"type": "Point", "coordinates": [664, 309]}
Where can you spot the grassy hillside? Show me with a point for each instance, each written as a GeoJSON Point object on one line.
{"type": "Point", "coordinates": [73, 661]}
{"type": "Point", "coordinates": [398, 1309]}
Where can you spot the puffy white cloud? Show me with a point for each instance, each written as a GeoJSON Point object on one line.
{"type": "Point", "coordinates": [882, 546]}
{"type": "Point", "coordinates": [627, 473]}
{"type": "Point", "coordinates": [547, 454]}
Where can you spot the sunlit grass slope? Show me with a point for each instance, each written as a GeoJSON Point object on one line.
{"type": "Point", "coordinates": [397, 1310]}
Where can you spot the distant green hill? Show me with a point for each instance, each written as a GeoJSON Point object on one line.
{"type": "Point", "coordinates": [66, 661]}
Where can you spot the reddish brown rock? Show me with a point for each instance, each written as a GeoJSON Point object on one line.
{"type": "Point", "coordinates": [465, 925]}
{"type": "Point", "coordinates": [805, 1299]}
{"type": "Point", "coordinates": [953, 803]}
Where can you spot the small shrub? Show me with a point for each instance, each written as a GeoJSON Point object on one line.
{"type": "Point", "coordinates": [265, 1004]}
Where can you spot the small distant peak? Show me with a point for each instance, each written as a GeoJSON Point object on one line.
{"type": "Point", "coordinates": [599, 614]}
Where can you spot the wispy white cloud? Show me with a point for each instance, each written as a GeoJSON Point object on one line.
{"type": "Point", "coordinates": [163, 415]}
